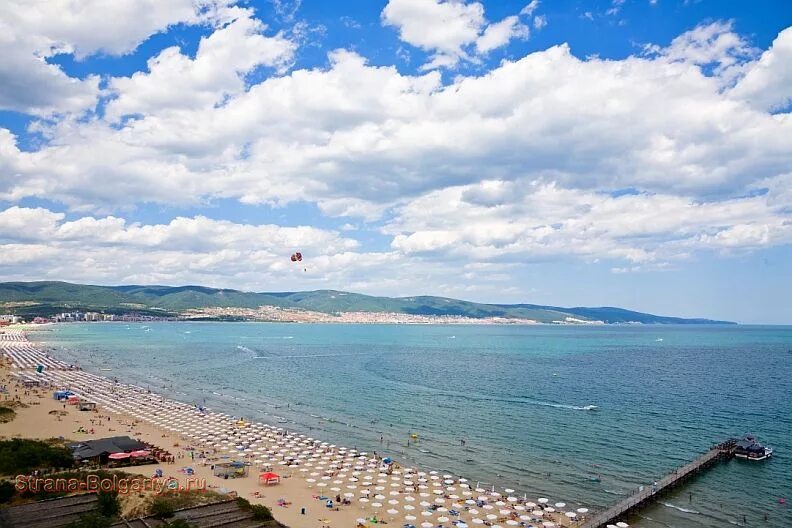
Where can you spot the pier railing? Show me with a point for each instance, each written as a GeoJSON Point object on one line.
{"type": "Point", "coordinates": [641, 497]}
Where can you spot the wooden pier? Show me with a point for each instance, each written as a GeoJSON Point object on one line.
{"type": "Point", "coordinates": [640, 498]}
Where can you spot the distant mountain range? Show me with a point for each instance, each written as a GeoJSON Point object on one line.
{"type": "Point", "coordinates": [47, 298]}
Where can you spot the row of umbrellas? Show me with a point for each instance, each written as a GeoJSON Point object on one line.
{"type": "Point", "coordinates": [406, 493]}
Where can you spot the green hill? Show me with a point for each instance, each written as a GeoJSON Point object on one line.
{"type": "Point", "coordinates": [46, 298]}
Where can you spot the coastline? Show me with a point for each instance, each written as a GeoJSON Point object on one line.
{"type": "Point", "coordinates": [304, 481]}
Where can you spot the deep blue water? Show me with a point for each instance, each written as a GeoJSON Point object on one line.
{"type": "Point", "coordinates": [515, 394]}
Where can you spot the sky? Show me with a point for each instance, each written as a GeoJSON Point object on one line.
{"type": "Point", "coordinates": [632, 153]}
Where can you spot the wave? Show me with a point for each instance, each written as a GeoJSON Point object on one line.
{"type": "Point", "coordinates": [301, 356]}
{"type": "Point", "coordinates": [245, 349]}
{"type": "Point", "coordinates": [613, 492]}
{"type": "Point", "coordinates": [679, 508]}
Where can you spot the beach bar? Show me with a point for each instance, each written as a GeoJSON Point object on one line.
{"type": "Point", "coordinates": [103, 450]}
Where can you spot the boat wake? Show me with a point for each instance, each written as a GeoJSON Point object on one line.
{"type": "Point", "coordinates": [301, 356]}
{"type": "Point", "coordinates": [679, 508]}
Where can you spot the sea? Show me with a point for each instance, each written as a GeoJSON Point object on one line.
{"type": "Point", "coordinates": [578, 414]}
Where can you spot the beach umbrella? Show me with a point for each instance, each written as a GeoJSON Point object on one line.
{"type": "Point", "coordinates": [571, 515]}
{"type": "Point", "coordinates": [622, 524]}
{"type": "Point", "coordinates": [426, 525]}
{"type": "Point", "coordinates": [478, 521]}
{"type": "Point", "coordinates": [392, 512]}
{"type": "Point", "coordinates": [442, 519]}
{"type": "Point", "coordinates": [582, 510]}
{"type": "Point", "coordinates": [409, 517]}
{"type": "Point", "coordinates": [560, 504]}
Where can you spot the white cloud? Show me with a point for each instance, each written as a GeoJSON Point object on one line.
{"type": "Point", "coordinates": [767, 83]}
{"type": "Point", "coordinates": [515, 164]}
{"type": "Point", "coordinates": [540, 21]}
{"type": "Point", "coordinates": [33, 31]}
{"type": "Point", "coordinates": [709, 44]}
{"type": "Point", "coordinates": [84, 27]}
{"type": "Point", "coordinates": [176, 82]}
{"type": "Point", "coordinates": [358, 138]}
{"type": "Point", "coordinates": [501, 33]}
{"type": "Point", "coordinates": [529, 9]}
{"type": "Point", "coordinates": [452, 30]}
{"type": "Point", "coordinates": [110, 249]}
{"type": "Point", "coordinates": [527, 220]}
{"type": "Point", "coordinates": [30, 85]}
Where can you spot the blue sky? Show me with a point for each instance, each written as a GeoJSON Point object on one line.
{"type": "Point", "coordinates": [633, 153]}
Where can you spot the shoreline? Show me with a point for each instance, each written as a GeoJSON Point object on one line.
{"type": "Point", "coordinates": [305, 478]}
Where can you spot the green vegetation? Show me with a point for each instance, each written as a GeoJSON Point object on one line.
{"type": "Point", "coordinates": [47, 298]}
{"type": "Point", "coordinates": [164, 506]}
{"type": "Point", "coordinates": [91, 520]}
{"type": "Point", "coordinates": [161, 508]}
{"type": "Point", "coordinates": [260, 512]}
{"type": "Point", "coordinates": [108, 504]}
{"type": "Point", "coordinates": [7, 491]}
{"type": "Point", "coordinates": [6, 414]}
{"type": "Point", "coordinates": [20, 457]}
{"type": "Point", "coordinates": [178, 523]}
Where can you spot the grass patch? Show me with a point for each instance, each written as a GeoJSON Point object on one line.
{"type": "Point", "coordinates": [21, 457]}
{"type": "Point", "coordinates": [164, 505]}
{"type": "Point", "coordinates": [6, 414]}
{"type": "Point", "coordinates": [260, 512]}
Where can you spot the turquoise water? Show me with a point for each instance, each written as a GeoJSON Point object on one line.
{"type": "Point", "coordinates": [515, 394]}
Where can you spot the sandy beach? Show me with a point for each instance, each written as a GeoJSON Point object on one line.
{"type": "Point", "coordinates": [309, 468]}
